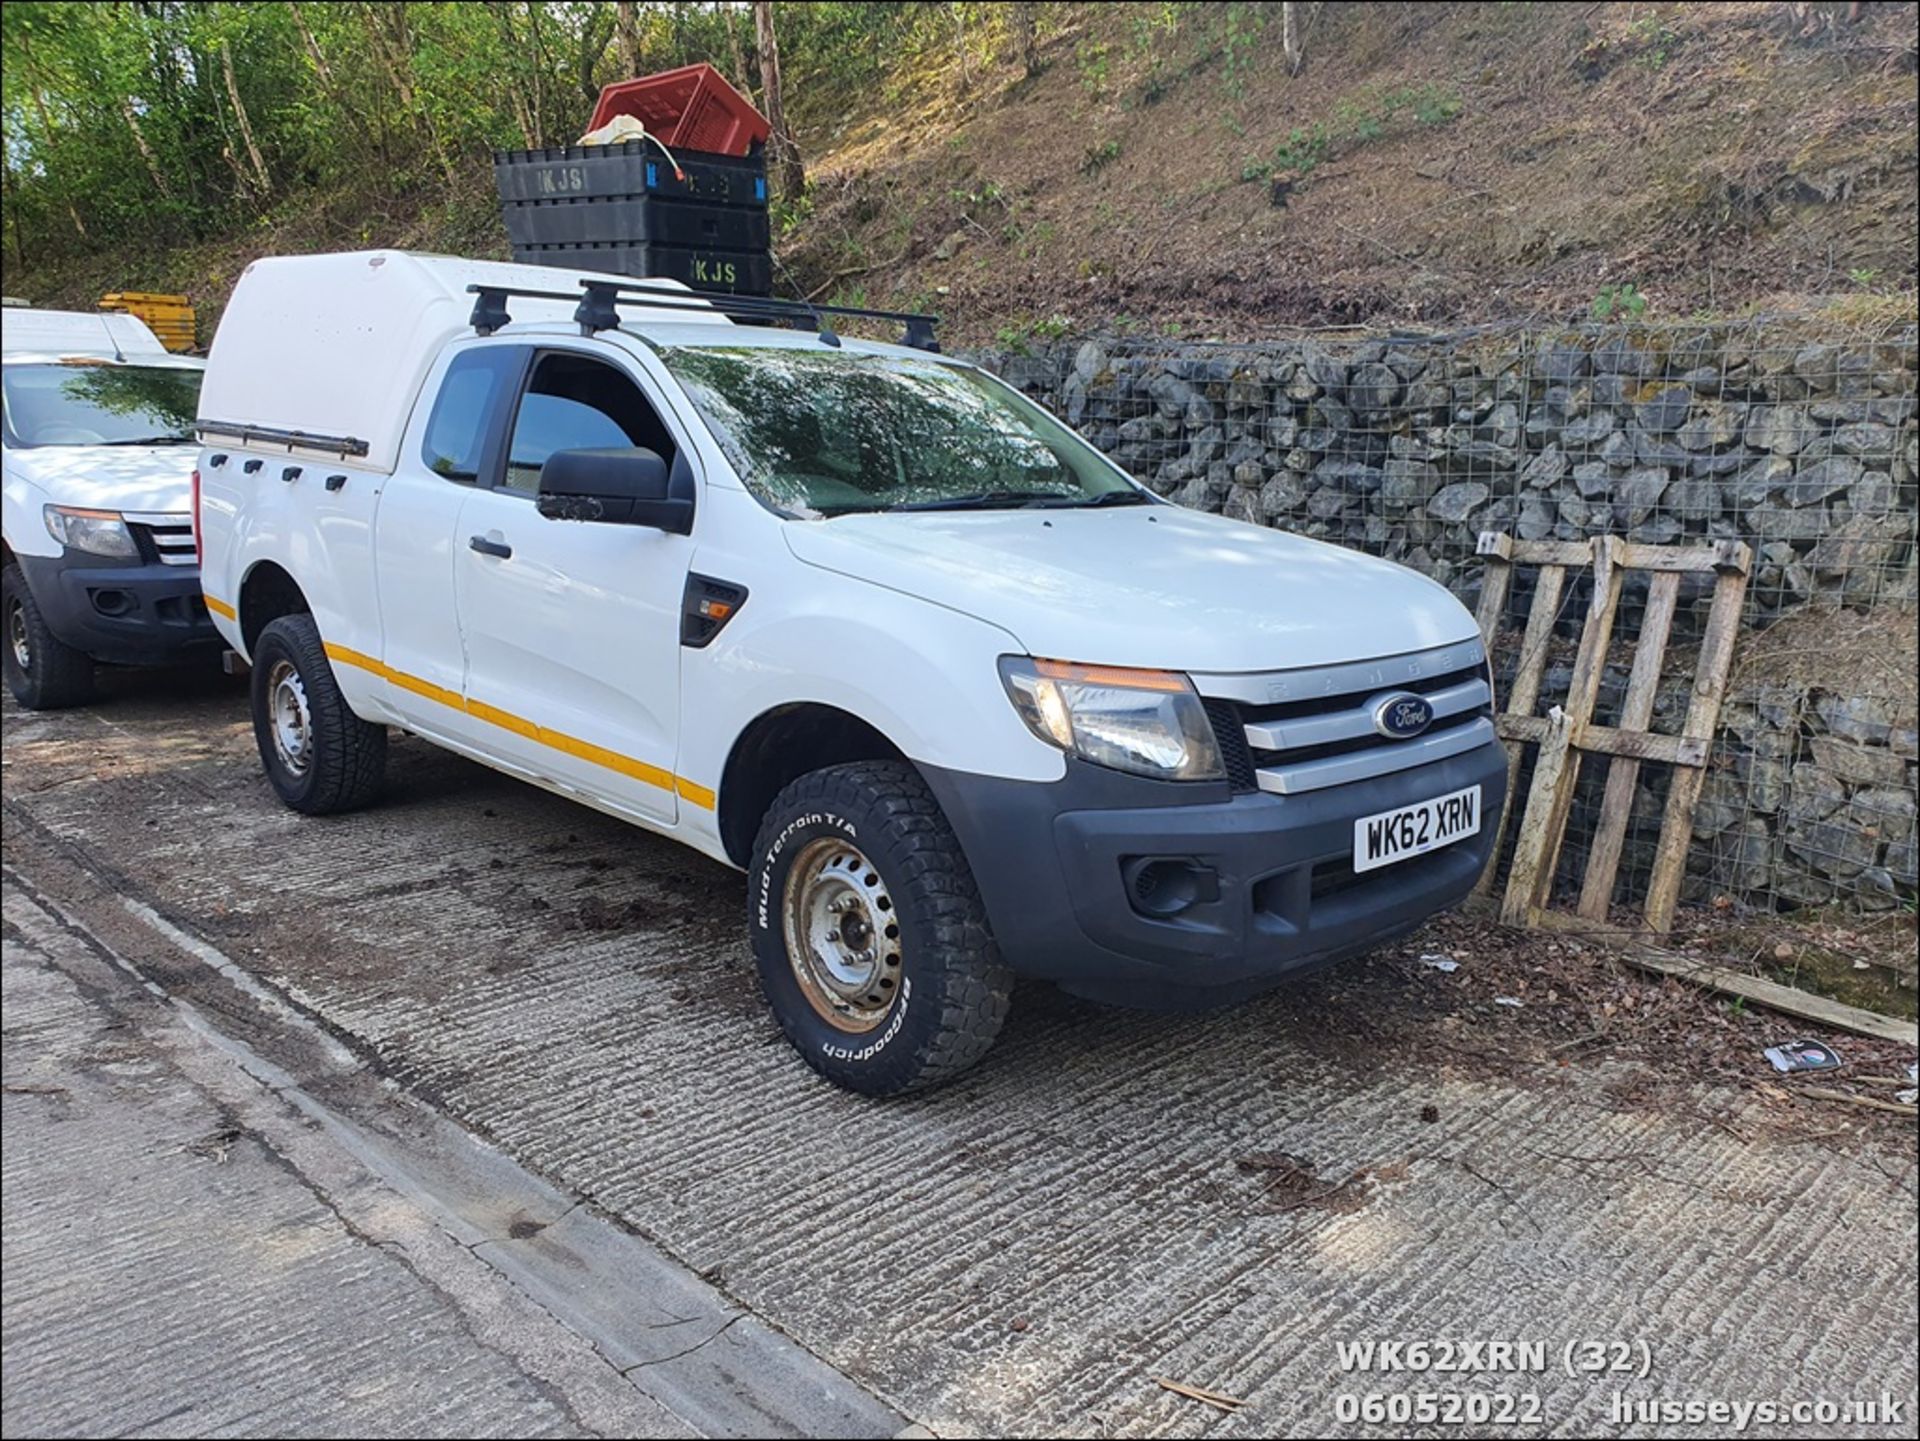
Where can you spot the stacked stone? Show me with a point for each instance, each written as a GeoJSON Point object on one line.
{"type": "Point", "coordinates": [1409, 447]}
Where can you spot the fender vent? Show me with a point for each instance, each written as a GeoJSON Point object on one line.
{"type": "Point", "coordinates": [707, 605]}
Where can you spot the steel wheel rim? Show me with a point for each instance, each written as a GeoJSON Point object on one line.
{"type": "Point", "coordinates": [842, 934]}
{"type": "Point", "coordinates": [17, 636]}
{"type": "Point", "coordinates": [289, 719]}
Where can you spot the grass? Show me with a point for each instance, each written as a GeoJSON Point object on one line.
{"type": "Point", "coordinates": [1356, 121]}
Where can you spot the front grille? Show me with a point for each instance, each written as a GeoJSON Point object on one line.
{"type": "Point", "coordinates": [1332, 704]}
{"type": "Point", "coordinates": [1230, 736]}
{"type": "Point", "coordinates": [1297, 754]}
{"type": "Point", "coordinates": [167, 539]}
{"type": "Point", "coordinates": [1320, 731]}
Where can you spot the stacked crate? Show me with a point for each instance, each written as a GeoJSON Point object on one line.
{"type": "Point", "coordinates": [688, 202]}
{"type": "Point", "coordinates": [630, 210]}
{"type": "Point", "coordinates": [169, 317]}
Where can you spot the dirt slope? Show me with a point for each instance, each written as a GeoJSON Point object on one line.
{"type": "Point", "coordinates": [1440, 163]}
{"type": "Point", "coordinates": [1446, 162]}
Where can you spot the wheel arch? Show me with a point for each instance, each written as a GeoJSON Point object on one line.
{"type": "Point", "coordinates": [268, 592]}
{"type": "Point", "coordinates": [778, 747]}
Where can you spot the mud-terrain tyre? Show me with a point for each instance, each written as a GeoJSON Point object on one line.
{"type": "Point", "coordinates": [42, 671]}
{"type": "Point", "coordinates": [869, 933]}
{"type": "Point", "coordinates": [320, 757]}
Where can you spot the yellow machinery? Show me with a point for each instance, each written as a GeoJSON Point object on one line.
{"type": "Point", "coordinates": [168, 316]}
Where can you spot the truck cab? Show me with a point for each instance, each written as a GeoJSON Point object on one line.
{"type": "Point", "coordinates": [97, 451]}
{"type": "Point", "coordinates": [962, 699]}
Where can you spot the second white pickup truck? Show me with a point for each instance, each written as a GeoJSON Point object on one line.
{"type": "Point", "coordinates": [96, 451]}
{"type": "Point", "coordinates": [961, 698]}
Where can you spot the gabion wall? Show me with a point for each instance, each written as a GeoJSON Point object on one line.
{"type": "Point", "coordinates": [1801, 445]}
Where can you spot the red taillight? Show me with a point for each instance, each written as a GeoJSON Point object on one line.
{"type": "Point", "coordinates": [199, 552]}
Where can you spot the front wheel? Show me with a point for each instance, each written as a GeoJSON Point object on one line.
{"type": "Point", "coordinates": [43, 671]}
{"type": "Point", "coordinates": [320, 757]}
{"type": "Point", "coordinates": [869, 934]}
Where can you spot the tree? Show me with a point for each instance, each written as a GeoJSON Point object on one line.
{"type": "Point", "coordinates": [1025, 38]}
{"type": "Point", "coordinates": [1289, 37]}
{"type": "Point", "coordinates": [240, 114]}
{"type": "Point", "coordinates": [626, 35]}
{"type": "Point", "coordinates": [785, 154]}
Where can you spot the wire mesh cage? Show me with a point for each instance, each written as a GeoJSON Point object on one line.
{"type": "Point", "coordinates": [1801, 445]}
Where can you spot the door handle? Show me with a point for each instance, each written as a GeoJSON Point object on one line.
{"type": "Point", "coordinates": [498, 549]}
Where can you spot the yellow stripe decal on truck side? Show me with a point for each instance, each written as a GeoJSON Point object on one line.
{"type": "Point", "coordinates": [696, 795]}
{"type": "Point", "coordinates": [219, 607]}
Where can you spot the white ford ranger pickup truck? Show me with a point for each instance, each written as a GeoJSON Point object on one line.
{"type": "Point", "coordinates": [962, 699]}
{"type": "Point", "coordinates": [97, 454]}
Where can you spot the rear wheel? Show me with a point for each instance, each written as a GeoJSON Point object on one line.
{"type": "Point", "coordinates": [43, 671]}
{"type": "Point", "coordinates": [320, 757]}
{"type": "Point", "coordinates": [869, 934]}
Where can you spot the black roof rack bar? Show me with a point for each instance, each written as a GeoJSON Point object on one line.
{"type": "Point", "coordinates": [804, 308]}
{"type": "Point", "coordinates": [343, 445]}
{"type": "Point", "coordinates": [598, 302]}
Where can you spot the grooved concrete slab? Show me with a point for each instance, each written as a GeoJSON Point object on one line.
{"type": "Point", "coordinates": [1022, 1252]}
{"type": "Point", "coordinates": [168, 1274]}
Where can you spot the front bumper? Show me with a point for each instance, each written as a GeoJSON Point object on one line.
{"type": "Point", "coordinates": [120, 612]}
{"type": "Point", "coordinates": [1051, 862]}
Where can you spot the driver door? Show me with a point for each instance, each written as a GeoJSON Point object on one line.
{"type": "Point", "coordinates": [572, 629]}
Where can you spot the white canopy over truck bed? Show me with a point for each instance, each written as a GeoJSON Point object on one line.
{"type": "Point", "coordinates": [367, 327]}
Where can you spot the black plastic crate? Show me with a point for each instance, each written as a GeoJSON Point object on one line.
{"type": "Point", "coordinates": [621, 208]}
{"type": "Point", "coordinates": [744, 272]}
{"type": "Point", "coordinates": [620, 172]}
{"type": "Point", "coordinates": [642, 221]}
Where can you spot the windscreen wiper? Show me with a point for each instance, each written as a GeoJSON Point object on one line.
{"type": "Point", "coordinates": [1119, 497]}
{"type": "Point", "coordinates": [153, 440]}
{"type": "Point", "coordinates": [989, 500]}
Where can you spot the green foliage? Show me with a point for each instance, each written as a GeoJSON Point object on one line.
{"type": "Point", "coordinates": [788, 213]}
{"type": "Point", "coordinates": [986, 192]}
{"type": "Point", "coordinates": [1099, 157]}
{"type": "Point", "coordinates": [1863, 276]}
{"type": "Point", "coordinates": [1654, 39]}
{"type": "Point", "coordinates": [1302, 150]}
{"type": "Point", "coordinates": [1355, 121]}
{"type": "Point", "coordinates": [1153, 26]}
{"type": "Point", "coordinates": [1242, 43]}
{"type": "Point", "coordinates": [131, 125]}
{"type": "Point", "coordinates": [1621, 301]}
{"type": "Point", "coordinates": [1019, 335]}
{"type": "Point", "coordinates": [1095, 64]}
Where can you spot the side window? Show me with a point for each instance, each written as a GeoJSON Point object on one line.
{"type": "Point", "coordinates": [574, 402]}
{"type": "Point", "coordinates": [474, 386]}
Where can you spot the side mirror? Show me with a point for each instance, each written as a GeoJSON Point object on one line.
{"type": "Point", "coordinates": [629, 486]}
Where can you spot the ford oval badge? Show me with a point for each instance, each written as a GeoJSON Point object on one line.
{"type": "Point", "coordinates": [1402, 716]}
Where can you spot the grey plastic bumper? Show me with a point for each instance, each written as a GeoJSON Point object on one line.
{"type": "Point", "coordinates": [1051, 862]}
{"type": "Point", "coordinates": [123, 613]}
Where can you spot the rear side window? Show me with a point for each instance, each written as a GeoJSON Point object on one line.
{"type": "Point", "coordinates": [475, 386]}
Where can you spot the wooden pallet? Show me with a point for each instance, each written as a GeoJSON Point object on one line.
{"type": "Point", "coordinates": [1569, 733]}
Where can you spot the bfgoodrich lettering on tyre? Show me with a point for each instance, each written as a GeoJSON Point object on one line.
{"type": "Point", "coordinates": [870, 938]}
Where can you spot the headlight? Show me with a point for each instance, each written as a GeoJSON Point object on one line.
{"type": "Point", "coordinates": [1149, 722]}
{"type": "Point", "coordinates": [98, 532]}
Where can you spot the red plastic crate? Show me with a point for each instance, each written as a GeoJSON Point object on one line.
{"type": "Point", "coordinates": [693, 106]}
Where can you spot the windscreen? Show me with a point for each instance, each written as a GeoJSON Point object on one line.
{"type": "Point", "coordinates": [828, 432]}
{"type": "Point", "coordinates": [95, 403]}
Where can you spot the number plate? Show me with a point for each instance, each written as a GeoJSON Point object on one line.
{"type": "Point", "coordinates": [1414, 830]}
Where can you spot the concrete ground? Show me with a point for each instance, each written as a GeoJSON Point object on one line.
{"type": "Point", "coordinates": [1222, 1200]}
